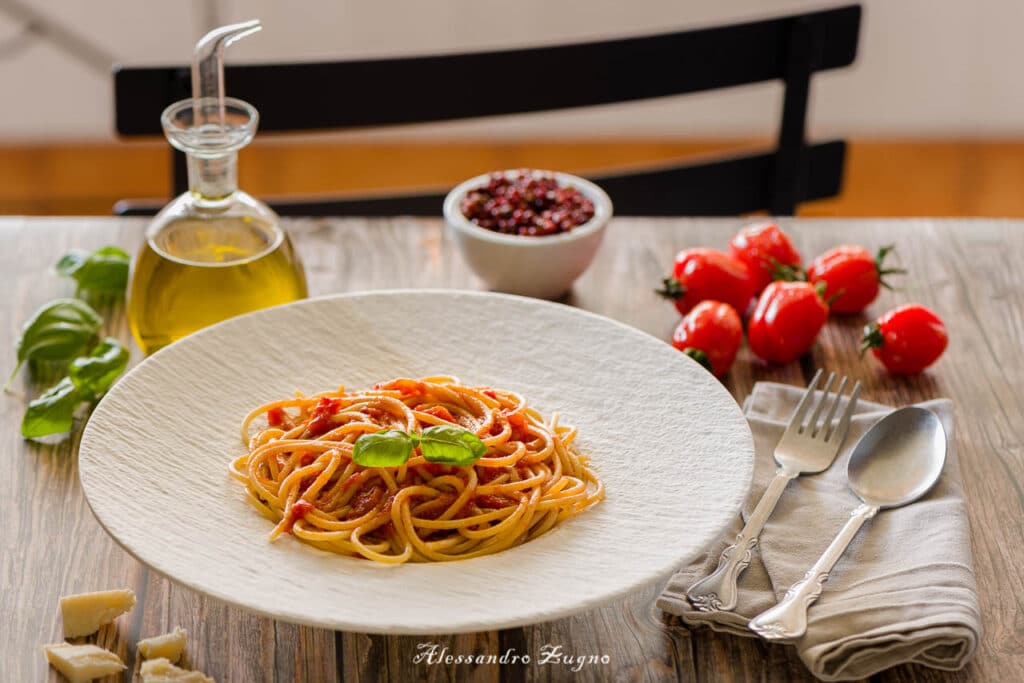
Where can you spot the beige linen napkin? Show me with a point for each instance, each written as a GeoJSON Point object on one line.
{"type": "Point", "coordinates": [904, 591]}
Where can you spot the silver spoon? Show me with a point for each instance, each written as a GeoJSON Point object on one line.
{"type": "Point", "coordinates": [896, 462]}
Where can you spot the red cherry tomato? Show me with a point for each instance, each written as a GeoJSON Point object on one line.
{"type": "Point", "coordinates": [851, 275]}
{"type": "Point", "coordinates": [763, 247]}
{"type": "Point", "coordinates": [906, 339]}
{"type": "Point", "coordinates": [710, 334]}
{"type": "Point", "coordinates": [700, 274]}
{"type": "Point", "coordinates": [786, 322]}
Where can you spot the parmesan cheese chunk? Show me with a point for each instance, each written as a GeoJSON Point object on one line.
{"type": "Point", "coordinates": [169, 645]}
{"type": "Point", "coordinates": [162, 671]}
{"type": "Point", "coordinates": [81, 663]}
{"type": "Point", "coordinates": [83, 614]}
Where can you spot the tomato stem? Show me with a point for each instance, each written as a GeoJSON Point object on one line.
{"type": "Point", "coordinates": [882, 272]}
{"type": "Point", "coordinates": [831, 300]}
{"type": "Point", "coordinates": [700, 357]}
{"type": "Point", "coordinates": [787, 272]}
{"type": "Point", "coordinates": [671, 288]}
{"type": "Point", "coordinates": [873, 338]}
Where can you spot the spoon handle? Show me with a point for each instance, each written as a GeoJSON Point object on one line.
{"type": "Point", "coordinates": [718, 590]}
{"type": "Point", "coordinates": [788, 619]}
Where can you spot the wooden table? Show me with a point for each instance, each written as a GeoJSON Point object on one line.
{"type": "Point", "coordinates": [969, 271]}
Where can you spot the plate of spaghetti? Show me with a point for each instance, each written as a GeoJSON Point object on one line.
{"type": "Point", "coordinates": [301, 471]}
{"type": "Point", "coordinates": [417, 462]}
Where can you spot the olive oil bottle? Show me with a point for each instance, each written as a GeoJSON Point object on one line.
{"type": "Point", "coordinates": [193, 273]}
{"type": "Point", "coordinates": [214, 252]}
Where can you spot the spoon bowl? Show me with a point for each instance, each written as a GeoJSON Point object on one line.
{"type": "Point", "coordinates": [899, 459]}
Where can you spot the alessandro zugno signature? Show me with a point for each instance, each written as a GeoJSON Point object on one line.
{"type": "Point", "coordinates": [549, 654]}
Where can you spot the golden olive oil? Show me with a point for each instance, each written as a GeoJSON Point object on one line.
{"type": "Point", "coordinates": [194, 272]}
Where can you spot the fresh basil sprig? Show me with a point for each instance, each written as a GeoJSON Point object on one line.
{"type": "Point", "coordinates": [441, 444]}
{"type": "Point", "coordinates": [59, 331]}
{"type": "Point", "coordinates": [52, 412]}
{"type": "Point", "coordinates": [89, 377]}
{"type": "Point", "coordinates": [104, 271]}
{"type": "Point", "coordinates": [93, 374]}
{"type": "Point", "coordinates": [67, 331]}
{"type": "Point", "coordinates": [451, 446]}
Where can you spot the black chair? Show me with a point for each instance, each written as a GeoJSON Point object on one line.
{"type": "Point", "coordinates": [383, 92]}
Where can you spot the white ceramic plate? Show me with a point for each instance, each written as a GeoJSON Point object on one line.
{"type": "Point", "coordinates": [669, 441]}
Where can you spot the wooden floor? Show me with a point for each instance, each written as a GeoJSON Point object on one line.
{"type": "Point", "coordinates": [893, 178]}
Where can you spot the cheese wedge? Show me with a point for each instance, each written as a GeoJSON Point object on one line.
{"type": "Point", "coordinates": [162, 671]}
{"type": "Point", "coordinates": [81, 663]}
{"type": "Point", "coordinates": [169, 645]}
{"type": "Point", "coordinates": [83, 614]}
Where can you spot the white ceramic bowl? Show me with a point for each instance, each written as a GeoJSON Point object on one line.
{"type": "Point", "coordinates": [543, 267]}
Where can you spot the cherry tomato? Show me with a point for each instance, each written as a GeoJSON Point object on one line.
{"type": "Point", "coordinates": [786, 322]}
{"type": "Point", "coordinates": [906, 339]}
{"type": "Point", "coordinates": [700, 274]}
{"type": "Point", "coordinates": [851, 275]}
{"type": "Point", "coordinates": [763, 247]}
{"type": "Point", "coordinates": [710, 334]}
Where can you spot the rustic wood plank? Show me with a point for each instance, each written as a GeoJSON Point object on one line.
{"type": "Point", "coordinates": [50, 544]}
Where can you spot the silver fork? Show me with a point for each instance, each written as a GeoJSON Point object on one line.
{"type": "Point", "coordinates": [805, 448]}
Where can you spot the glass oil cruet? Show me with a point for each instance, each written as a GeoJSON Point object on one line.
{"type": "Point", "coordinates": [215, 251]}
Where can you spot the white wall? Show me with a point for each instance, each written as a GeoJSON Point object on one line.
{"type": "Point", "coordinates": [926, 68]}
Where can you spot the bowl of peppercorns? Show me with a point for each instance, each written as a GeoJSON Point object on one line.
{"type": "Point", "coordinates": [527, 231]}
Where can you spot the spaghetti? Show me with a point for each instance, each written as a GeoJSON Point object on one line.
{"type": "Point", "coordinates": [299, 472]}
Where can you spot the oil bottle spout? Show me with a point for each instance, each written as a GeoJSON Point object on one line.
{"type": "Point", "coordinates": [208, 61]}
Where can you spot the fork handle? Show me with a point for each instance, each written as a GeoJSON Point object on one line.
{"type": "Point", "coordinates": [788, 619]}
{"type": "Point", "coordinates": [717, 592]}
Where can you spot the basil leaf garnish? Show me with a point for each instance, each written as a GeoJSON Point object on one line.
{"type": "Point", "coordinates": [390, 448]}
{"type": "Point", "coordinates": [451, 446]}
{"type": "Point", "coordinates": [71, 261]}
{"type": "Point", "coordinates": [441, 444]}
{"type": "Point", "coordinates": [59, 331]}
{"type": "Point", "coordinates": [103, 271]}
{"type": "Point", "coordinates": [93, 374]}
{"type": "Point", "coordinates": [53, 412]}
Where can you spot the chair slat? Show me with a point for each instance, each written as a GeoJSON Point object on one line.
{"type": "Point", "coordinates": [384, 92]}
{"type": "Point", "coordinates": [722, 187]}
{"type": "Point", "coordinates": [397, 91]}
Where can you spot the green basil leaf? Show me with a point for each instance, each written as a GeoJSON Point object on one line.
{"type": "Point", "coordinates": [93, 374]}
{"type": "Point", "coordinates": [53, 412]}
{"type": "Point", "coordinates": [105, 270]}
{"type": "Point", "coordinates": [390, 448]}
{"type": "Point", "coordinates": [59, 331]}
{"type": "Point", "coordinates": [71, 261]}
{"type": "Point", "coordinates": [451, 446]}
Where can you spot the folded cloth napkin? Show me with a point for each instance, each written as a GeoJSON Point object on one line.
{"type": "Point", "coordinates": [904, 591]}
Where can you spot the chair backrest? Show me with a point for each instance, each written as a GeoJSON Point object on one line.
{"type": "Point", "coordinates": [383, 92]}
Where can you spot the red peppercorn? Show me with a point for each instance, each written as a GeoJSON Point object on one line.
{"type": "Point", "coordinates": [527, 203]}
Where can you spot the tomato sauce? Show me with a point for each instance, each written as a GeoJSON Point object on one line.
{"type": "Point", "coordinates": [367, 500]}
{"type": "Point", "coordinates": [439, 412]}
{"type": "Point", "coordinates": [298, 510]}
{"type": "Point", "coordinates": [492, 502]}
{"type": "Point", "coordinates": [519, 425]}
{"type": "Point", "coordinates": [320, 419]}
{"type": "Point", "coordinates": [276, 417]}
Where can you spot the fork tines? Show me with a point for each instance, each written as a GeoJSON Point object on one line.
{"type": "Point", "coordinates": [824, 430]}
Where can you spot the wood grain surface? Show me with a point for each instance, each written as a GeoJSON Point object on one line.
{"type": "Point", "coordinates": [967, 270]}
